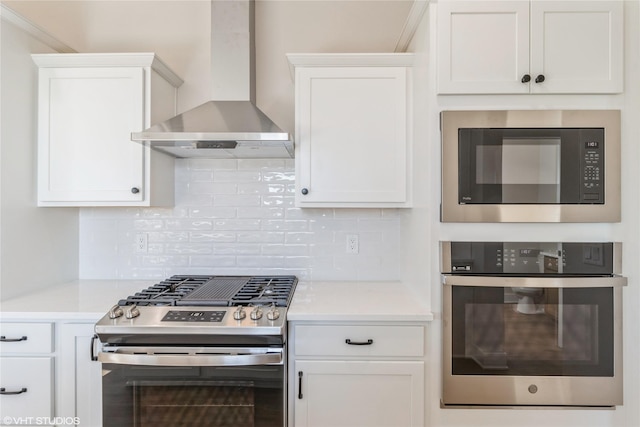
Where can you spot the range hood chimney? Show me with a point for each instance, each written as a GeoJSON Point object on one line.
{"type": "Point", "coordinates": [230, 125]}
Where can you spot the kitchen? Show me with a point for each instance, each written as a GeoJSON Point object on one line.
{"type": "Point", "coordinates": [395, 244]}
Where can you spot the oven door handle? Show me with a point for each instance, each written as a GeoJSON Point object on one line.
{"type": "Point", "coordinates": [534, 282]}
{"type": "Point", "coordinates": [123, 358]}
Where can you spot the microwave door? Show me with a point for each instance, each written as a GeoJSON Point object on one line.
{"type": "Point", "coordinates": [511, 169]}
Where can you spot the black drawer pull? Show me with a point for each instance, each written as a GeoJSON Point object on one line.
{"type": "Point", "coordinates": [5, 392]}
{"type": "Point", "coordinates": [5, 339]}
{"type": "Point", "coordinates": [368, 342]}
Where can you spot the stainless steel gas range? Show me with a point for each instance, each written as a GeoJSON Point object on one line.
{"type": "Point", "coordinates": [197, 350]}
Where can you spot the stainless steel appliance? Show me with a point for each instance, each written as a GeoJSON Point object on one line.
{"type": "Point", "coordinates": [531, 166]}
{"type": "Point", "coordinates": [532, 324]}
{"type": "Point", "coordinates": [230, 125]}
{"type": "Point", "coordinates": [197, 350]}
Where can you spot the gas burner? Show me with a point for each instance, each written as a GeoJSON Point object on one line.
{"type": "Point", "coordinates": [213, 291]}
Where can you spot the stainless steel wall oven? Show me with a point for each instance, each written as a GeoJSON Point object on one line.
{"type": "Point", "coordinates": [532, 324]}
{"type": "Point", "coordinates": [531, 166]}
{"type": "Point", "coordinates": [206, 351]}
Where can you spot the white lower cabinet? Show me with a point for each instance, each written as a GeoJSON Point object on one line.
{"type": "Point", "coordinates": [349, 375]}
{"type": "Point", "coordinates": [359, 393]}
{"type": "Point", "coordinates": [47, 374]}
{"type": "Point", "coordinates": [26, 373]}
{"type": "Point", "coordinates": [80, 391]}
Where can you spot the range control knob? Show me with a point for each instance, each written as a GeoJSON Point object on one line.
{"type": "Point", "coordinates": [273, 313]}
{"type": "Point", "coordinates": [132, 312]}
{"type": "Point", "coordinates": [239, 314]}
{"type": "Point", "coordinates": [115, 312]}
{"type": "Point", "coordinates": [256, 313]}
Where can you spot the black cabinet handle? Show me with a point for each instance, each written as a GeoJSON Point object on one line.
{"type": "Point", "coordinates": [300, 385]}
{"type": "Point", "coordinates": [367, 342]}
{"type": "Point", "coordinates": [135, 190]}
{"type": "Point", "coordinates": [526, 78]}
{"type": "Point", "coordinates": [5, 392]}
{"type": "Point", "coordinates": [93, 348]}
{"type": "Point", "coordinates": [305, 191]}
{"type": "Point", "coordinates": [540, 78]}
{"type": "Point", "coordinates": [5, 339]}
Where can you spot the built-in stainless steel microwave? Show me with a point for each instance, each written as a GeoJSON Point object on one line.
{"type": "Point", "coordinates": [531, 166]}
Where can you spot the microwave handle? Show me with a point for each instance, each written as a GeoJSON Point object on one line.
{"type": "Point", "coordinates": [534, 282]}
{"type": "Point", "coordinates": [191, 359]}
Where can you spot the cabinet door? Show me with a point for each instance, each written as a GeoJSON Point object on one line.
{"type": "Point", "coordinates": [483, 46]}
{"type": "Point", "coordinates": [80, 391]}
{"type": "Point", "coordinates": [577, 46]}
{"type": "Point", "coordinates": [352, 136]}
{"type": "Point", "coordinates": [359, 393]}
{"type": "Point", "coordinates": [85, 152]}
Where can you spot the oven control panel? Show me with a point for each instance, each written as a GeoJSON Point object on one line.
{"type": "Point", "coordinates": [193, 316]}
{"type": "Point", "coordinates": [528, 258]}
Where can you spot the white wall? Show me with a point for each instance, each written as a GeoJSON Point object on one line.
{"type": "Point", "coordinates": [628, 231]}
{"type": "Point", "coordinates": [38, 247]}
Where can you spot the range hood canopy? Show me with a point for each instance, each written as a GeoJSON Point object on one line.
{"type": "Point", "coordinates": [231, 125]}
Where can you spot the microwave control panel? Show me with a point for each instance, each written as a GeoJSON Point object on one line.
{"type": "Point", "coordinates": [592, 166]}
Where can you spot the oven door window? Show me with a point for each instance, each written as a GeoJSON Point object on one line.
{"type": "Point", "coordinates": [532, 331]}
{"type": "Point", "coordinates": [146, 396]}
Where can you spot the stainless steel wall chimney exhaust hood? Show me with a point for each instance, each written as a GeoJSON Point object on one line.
{"type": "Point", "coordinates": [229, 126]}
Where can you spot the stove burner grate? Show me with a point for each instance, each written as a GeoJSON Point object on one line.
{"type": "Point", "coordinates": [217, 291]}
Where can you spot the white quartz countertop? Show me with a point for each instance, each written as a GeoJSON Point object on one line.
{"type": "Point", "coordinates": [356, 301]}
{"type": "Point", "coordinates": [312, 301]}
{"type": "Point", "coordinates": [81, 299]}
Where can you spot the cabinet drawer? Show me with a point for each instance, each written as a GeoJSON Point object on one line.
{"type": "Point", "coordinates": [26, 338]}
{"type": "Point", "coordinates": [30, 382]}
{"type": "Point", "coordinates": [347, 340]}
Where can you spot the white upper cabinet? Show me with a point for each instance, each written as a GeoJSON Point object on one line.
{"type": "Point", "coordinates": [353, 145]}
{"type": "Point", "coordinates": [88, 106]}
{"type": "Point", "coordinates": [534, 46]}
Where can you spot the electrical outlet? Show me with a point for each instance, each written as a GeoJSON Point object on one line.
{"type": "Point", "coordinates": [141, 243]}
{"type": "Point", "coordinates": [353, 244]}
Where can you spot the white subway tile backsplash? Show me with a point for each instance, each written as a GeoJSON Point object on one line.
{"type": "Point", "coordinates": [236, 200]}
{"type": "Point", "coordinates": [237, 224]}
{"type": "Point", "coordinates": [208, 187]}
{"type": "Point", "coordinates": [238, 217]}
{"type": "Point", "coordinates": [267, 213]}
{"type": "Point", "coordinates": [212, 212]}
{"type": "Point", "coordinates": [238, 249]}
{"type": "Point", "coordinates": [188, 248]}
{"type": "Point", "coordinates": [235, 176]}
{"type": "Point", "coordinates": [213, 236]}
{"type": "Point", "coordinates": [261, 237]}
{"type": "Point", "coordinates": [189, 224]}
